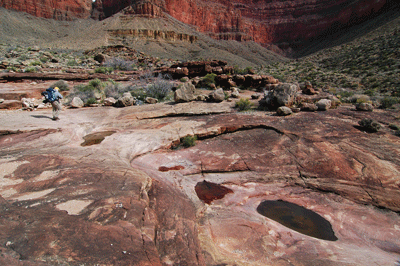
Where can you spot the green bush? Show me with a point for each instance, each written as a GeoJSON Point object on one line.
{"type": "Point", "coordinates": [394, 127]}
{"type": "Point", "coordinates": [209, 79]}
{"type": "Point", "coordinates": [91, 101]}
{"type": "Point", "coordinates": [243, 104]}
{"type": "Point", "coordinates": [104, 70]}
{"type": "Point", "coordinates": [189, 141]}
{"type": "Point", "coordinates": [35, 63]}
{"type": "Point", "coordinates": [369, 125]}
{"type": "Point", "coordinates": [61, 84]}
{"type": "Point", "coordinates": [30, 69]}
{"type": "Point", "coordinates": [388, 102]}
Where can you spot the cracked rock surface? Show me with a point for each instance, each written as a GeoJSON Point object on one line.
{"type": "Point", "coordinates": [130, 199]}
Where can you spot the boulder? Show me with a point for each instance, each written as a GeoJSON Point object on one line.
{"type": "Point", "coordinates": [284, 111]}
{"type": "Point", "coordinates": [110, 101]}
{"type": "Point", "coordinates": [323, 104]}
{"type": "Point", "coordinates": [284, 94]}
{"type": "Point", "coordinates": [308, 107]}
{"type": "Point", "coordinates": [27, 103]}
{"type": "Point", "coordinates": [217, 96]}
{"type": "Point", "coordinates": [364, 107]}
{"type": "Point", "coordinates": [307, 88]}
{"type": "Point", "coordinates": [126, 100]}
{"type": "Point", "coordinates": [185, 93]}
{"type": "Point", "coordinates": [235, 93]}
{"type": "Point", "coordinates": [150, 100]}
{"type": "Point", "coordinates": [76, 103]}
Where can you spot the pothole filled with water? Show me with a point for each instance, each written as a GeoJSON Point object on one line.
{"type": "Point", "coordinates": [208, 192]}
{"type": "Point", "coordinates": [297, 218]}
{"type": "Point", "coordinates": [96, 138]}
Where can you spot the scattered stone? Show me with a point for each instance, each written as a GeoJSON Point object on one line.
{"type": "Point", "coordinates": [1, 100]}
{"type": "Point", "coordinates": [235, 93]}
{"type": "Point", "coordinates": [126, 100]}
{"type": "Point", "coordinates": [364, 107]}
{"type": "Point", "coordinates": [185, 93]}
{"type": "Point", "coordinates": [307, 88]}
{"type": "Point", "coordinates": [201, 97]}
{"type": "Point", "coordinates": [150, 100]}
{"type": "Point", "coordinates": [284, 111]}
{"type": "Point", "coordinates": [323, 104]}
{"type": "Point", "coordinates": [76, 103]}
{"type": "Point", "coordinates": [110, 101]}
{"type": "Point", "coordinates": [308, 107]}
{"type": "Point", "coordinates": [217, 96]}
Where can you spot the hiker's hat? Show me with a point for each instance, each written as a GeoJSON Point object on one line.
{"type": "Point", "coordinates": [56, 88]}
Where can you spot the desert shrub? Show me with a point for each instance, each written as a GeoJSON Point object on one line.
{"type": "Point", "coordinates": [90, 101]}
{"type": "Point", "coordinates": [158, 87]}
{"type": "Point", "coordinates": [119, 64]}
{"type": "Point", "coordinates": [369, 125]}
{"type": "Point", "coordinates": [30, 69]}
{"type": "Point", "coordinates": [209, 79]}
{"type": "Point", "coordinates": [35, 63]}
{"type": "Point", "coordinates": [189, 141]}
{"type": "Point", "coordinates": [104, 70]}
{"type": "Point", "coordinates": [243, 104]}
{"type": "Point", "coordinates": [61, 84]}
{"type": "Point", "coordinates": [85, 92]}
{"type": "Point", "coordinates": [72, 62]}
{"type": "Point", "coordinates": [388, 102]}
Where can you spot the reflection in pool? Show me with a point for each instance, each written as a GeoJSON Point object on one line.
{"type": "Point", "coordinates": [297, 218]}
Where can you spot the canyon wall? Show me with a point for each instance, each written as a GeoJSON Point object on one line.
{"type": "Point", "coordinates": [55, 9]}
{"type": "Point", "coordinates": [288, 24]}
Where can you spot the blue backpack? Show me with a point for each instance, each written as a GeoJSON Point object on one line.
{"type": "Point", "coordinates": [50, 95]}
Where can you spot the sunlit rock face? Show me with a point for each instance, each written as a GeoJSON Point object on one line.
{"type": "Point", "coordinates": [285, 23]}
{"type": "Point", "coordinates": [60, 10]}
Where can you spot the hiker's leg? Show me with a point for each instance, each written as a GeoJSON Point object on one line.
{"type": "Point", "coordinates": [56, 109]}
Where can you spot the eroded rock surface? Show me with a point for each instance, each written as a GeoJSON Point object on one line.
{"type": "Point", "coordinates": [131, 198]}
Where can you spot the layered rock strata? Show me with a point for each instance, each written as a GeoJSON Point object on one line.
{"type": "Point", "coordinates": [60, 10]}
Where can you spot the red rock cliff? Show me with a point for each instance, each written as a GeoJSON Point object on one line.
{"type": "Point", "coordinates": [285, 22]}
{"type": "Point", "coordinates": [56, 9]}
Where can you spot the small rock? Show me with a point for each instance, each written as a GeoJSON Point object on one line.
{"type": "Point", "coordinates": [1, 100]}
{"type": "Point", "coordinates": [323, 104]}
{"type": "Point", "coordinates": [185, 93]}
{"type": "Point", "coordinates": [235, 93]}
{"type": "Point", "coordinates": [126, 100]}
{"type": "Point", "coordinates": [218, 95]}
{"type": "Point", "coordinates": [308, 107]}
{"type": "Point", "coordinates": [76, 103]}
{"type": "Point", "coordinates": [284, 111]}
{"type": "Point", "coordinates": [364, 107]}
{"type": "Point", "coordinates": [110, 101]}
{"type": "Point", "coordinates": [151, 100]}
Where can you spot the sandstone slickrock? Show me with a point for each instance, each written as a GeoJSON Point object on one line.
{"type": "Point", "coordinates": [131, 199]}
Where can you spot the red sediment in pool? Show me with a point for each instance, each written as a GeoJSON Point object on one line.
{"type": "Point", "coordinates": [166, 169]}
{"type": "Point", "coordinates": [208, 192]}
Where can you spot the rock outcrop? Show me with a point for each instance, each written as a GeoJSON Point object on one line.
{"type": "Point", "coordinates": [287, 24]}
{"type": "Point", "coordinates": [111, 189]}
{"type": "Point", "coordinates": [60, 10]}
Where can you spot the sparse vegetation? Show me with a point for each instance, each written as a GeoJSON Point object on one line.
{"type": "Point", "coordinates": [369, 125]}
{"type": "Point", "coordinates": [61, 84]}
{"type": "Point", "coordinates": [243, 104]}
{"type": "Point", "coordinates": [189, 141]}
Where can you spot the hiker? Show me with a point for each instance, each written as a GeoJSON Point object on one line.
{"type": "Point", "coordinates": [53, 96]}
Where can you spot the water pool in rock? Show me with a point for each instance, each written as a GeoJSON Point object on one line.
{"type": "Point", "coordinates": [96, 138]}
{"type": "Point", "coordinates": [297, 218]}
